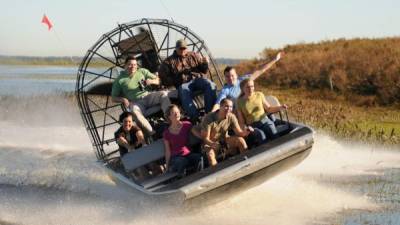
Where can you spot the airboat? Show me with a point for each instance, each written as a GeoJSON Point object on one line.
{"type": "Point", "coordinates": [151, 41]}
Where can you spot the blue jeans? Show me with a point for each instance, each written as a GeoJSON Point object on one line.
{"type": "Point", "coordinates": [186, 90]}
{"type": "Point", "coordinates": [264, 130]}
{"type": "Point", "coordinates": [180, 163]}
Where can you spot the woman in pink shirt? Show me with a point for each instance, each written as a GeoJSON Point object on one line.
{"type": "Point", "coordinates": [177, 153]}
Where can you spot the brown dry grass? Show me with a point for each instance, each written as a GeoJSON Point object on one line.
{"type": "Point", "coordinates": [363, 71]}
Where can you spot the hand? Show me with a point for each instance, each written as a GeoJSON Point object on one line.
{"type": "Point", "coordinates": [284, 106]}
{"type": "Point", "coordinates": [206, 59]}
{"type": "Point", "coordinates": [214, 145]}
{"type": "Point", "coordinates": [126, 103]}
{"type": "Point", "coordinates": [250, 128]}
{"type": "Point", "coordinates": [279, 56]}
{"type": "Point", "coordinates": [122, 141]}
{"type": "Point", "coordinates": [130, 107]}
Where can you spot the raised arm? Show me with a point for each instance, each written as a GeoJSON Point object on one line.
{"type": "Point", "coordinates": [266, 66]}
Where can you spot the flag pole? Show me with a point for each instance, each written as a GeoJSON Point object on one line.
{"type": "Point", "coordinates": [63, 46]}
{"type": "Point", "coordinates": [46, 21]}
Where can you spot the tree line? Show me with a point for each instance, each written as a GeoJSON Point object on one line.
{"type": "Point", "coordinates": [366, 71]}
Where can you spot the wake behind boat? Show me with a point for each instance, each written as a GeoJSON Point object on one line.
{"type": "Point", "coordinates": [151, 41]}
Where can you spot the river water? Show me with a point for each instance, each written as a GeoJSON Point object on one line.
{"type": "Point", "coordinates": [49, 174]}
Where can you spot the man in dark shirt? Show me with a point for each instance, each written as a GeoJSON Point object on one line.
{"type": "Point", "coordinates": [186, 71]}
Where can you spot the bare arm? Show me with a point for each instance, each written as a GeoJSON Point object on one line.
{"type": "Point", "coordinates": [266, 67]}
{"type": "Point", "coordinates": [241, 133]}
{"type": "Point", "coordinates": [273, 109]}
{"type": "Point", "coordinates": [206, 138]}
{"type": "Point", "coordinates": [122, 100]}
{"type": "Point", "coordinates": [241, 120]}
{"type": "Point", "coordinates": [124, 143]}
{"type": "Point", "coordinates": [140, 137]}
{"type": "Point", "coordinates": [167, 150]}
{"type": "Point", "coordinates": [155, 81]}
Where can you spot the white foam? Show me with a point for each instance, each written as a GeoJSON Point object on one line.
{"type": "Point", "coordinates": [308, 193]}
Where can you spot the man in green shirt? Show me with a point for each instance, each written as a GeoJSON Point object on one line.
{"type": "Point", "coordinates": [130, 89]}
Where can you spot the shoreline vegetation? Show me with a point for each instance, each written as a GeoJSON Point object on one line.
{"type": "Point", "coordinates": [341, 119]}
{"type": "Point", "coordinates": [74, 61]}
{"type": "Point", "coordinates": [348, 88]}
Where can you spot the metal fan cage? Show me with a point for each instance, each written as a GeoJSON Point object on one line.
{"type": "Point", "coordinates": [150, 41]}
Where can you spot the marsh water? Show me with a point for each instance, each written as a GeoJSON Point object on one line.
{"type": "Point", "coordinates": [49, 174]}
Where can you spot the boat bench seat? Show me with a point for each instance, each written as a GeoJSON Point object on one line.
{"type": "Point", "coordinates": [273, 101]}
{"type": "Point", "coordinates": [143, 156]}
{"type": "Point", "coordinates": [281, 128]}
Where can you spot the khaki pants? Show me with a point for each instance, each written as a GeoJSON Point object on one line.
{"type": "Point", "coordinates": [147, 105]}
{"type": "Point", "coordinates": [234, 145]}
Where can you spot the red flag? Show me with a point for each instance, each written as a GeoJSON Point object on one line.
{"type": "Point", "coordinates": [46, 21]}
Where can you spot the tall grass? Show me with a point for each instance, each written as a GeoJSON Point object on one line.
{"type": "Point", "coordinates": [364, 71]}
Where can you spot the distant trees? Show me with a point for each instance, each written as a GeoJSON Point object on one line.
{"type": "Point", "coordinates": [366, 68]}
{"type": "Point", "coordinates": [34, 60]}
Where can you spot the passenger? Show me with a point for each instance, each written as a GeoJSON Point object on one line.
{"type": "Point", "coordinates": [232, 87]}
{"type": "Point", "coordinates": [252, 109]}
{"type": "Point", "coordinates": [214, 130]}
{"type": "Point", "coordinates": [128, 137]}
{"type": "Point", "coordinates": [131, 89]}
{"type": "Point", "coordinates": [186, 71]}
{"type": "Point", "coordinates": [178, 156]}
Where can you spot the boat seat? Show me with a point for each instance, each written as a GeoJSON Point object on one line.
{"type": "Point", "coordinates": [282, 127]}
{"type": "Point", "coordinates": [143, 156]}
{"type": "Point", "coordinates": [272, 100]}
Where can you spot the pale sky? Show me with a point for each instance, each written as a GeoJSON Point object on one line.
{"type": "Point", "coordinates": [233, 29]}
